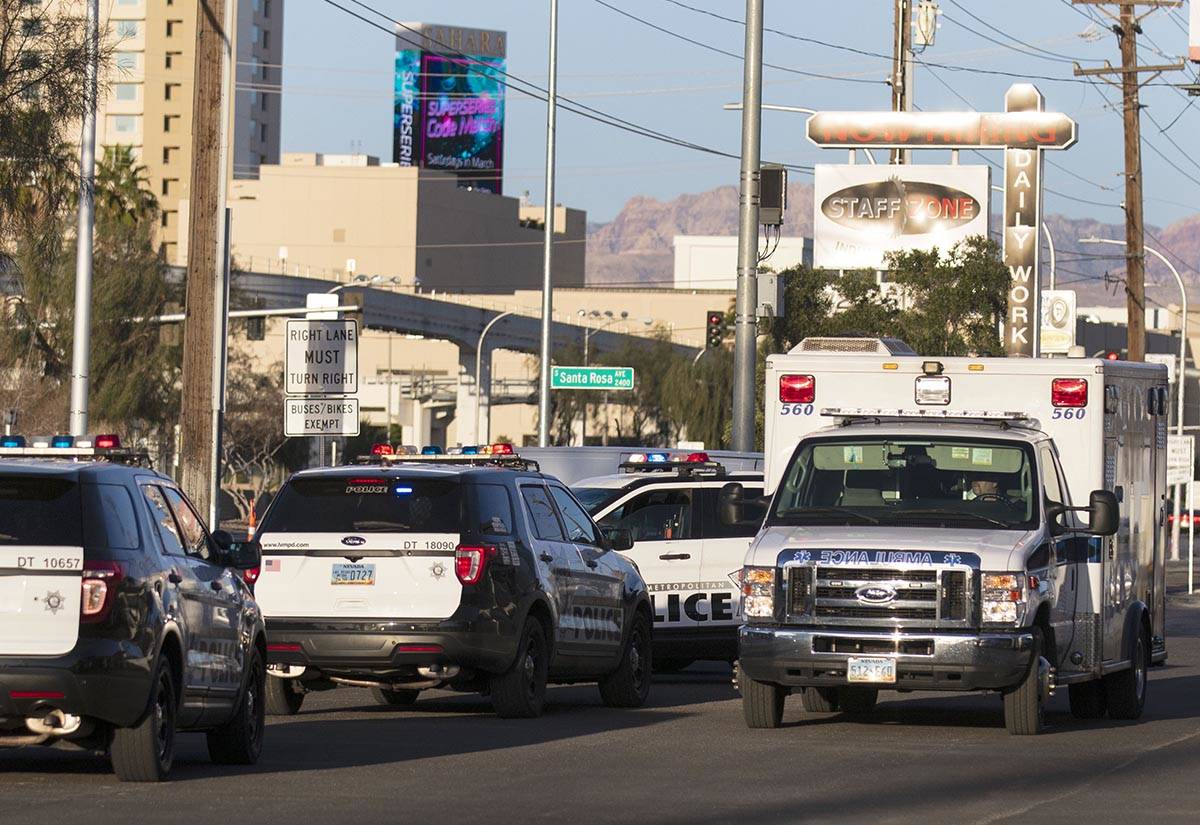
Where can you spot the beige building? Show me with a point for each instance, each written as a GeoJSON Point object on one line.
{"type": "Point", "coordinates": [334, 216]}
{"type": "Point", "coordinates": [147, 94]}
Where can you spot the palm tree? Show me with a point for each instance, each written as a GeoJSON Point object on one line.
{"type": "Point", "coordinates": [123, 193]}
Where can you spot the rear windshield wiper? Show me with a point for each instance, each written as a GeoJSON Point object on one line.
{"type": "Point", "coordinates": [828, 511]}
{"type": "Point", "coordinates": [938, 511]}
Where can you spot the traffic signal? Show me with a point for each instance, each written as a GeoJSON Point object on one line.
{"type": "Point", "coordinates": [715, 325]}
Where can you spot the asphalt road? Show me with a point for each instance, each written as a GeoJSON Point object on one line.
{"type": "Point", "coordinates": [686, 758]}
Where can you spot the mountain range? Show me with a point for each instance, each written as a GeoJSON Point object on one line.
{"type": "Point", "coordinates": [635, 248]}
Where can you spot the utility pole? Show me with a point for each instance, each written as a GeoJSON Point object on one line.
{"type": "Point", "coordinates": [902, 68]}
{"type": "Point", "coordinates": [1127, 25]}
{"type": "Point", "coordinates": [81, 350]}
{"type": "Point", "coordinates": [745, 342]}
{"type": "Point", "coordinates": [548, 248]}
{"type": "Point", "coordinates": [204, 324]}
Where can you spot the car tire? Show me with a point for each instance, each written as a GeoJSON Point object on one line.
{"type": "Point", "coordinates": [629, 685]}
{"type": "Point", "coordinates": [520, 691]}
{"type": "Point", "coordinates": [857, 700]}
{"type": "Point", "coordinates": [1126, 689]}
{"type": "Point", "coordinates": [402, 698]}
{"type": "Point", "coordinates": [240, 740]}
{"type": "Point", "coordinates": [1088, 700]}
{"type": "Point", "coordinates": [1024, 710]}
{"type": "Point", "coordinates": [819, 700]}
{"type": "Point", "coordinates": [284, 696]}
{"type": "Point", "coordinates": [144, 753]}
{"type": "Point", "coordinates": [671, 665]}
{"type": "Point", "coordinates": [762, 702]}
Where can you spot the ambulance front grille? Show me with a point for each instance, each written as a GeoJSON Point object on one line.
{"type": "Point", "coordinates": [921, 597]}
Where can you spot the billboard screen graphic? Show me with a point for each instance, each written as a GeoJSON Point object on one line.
{"type": "Point", "coordinates": [449, 102]}
{"type": "Point", "coordinates": [864, 212]}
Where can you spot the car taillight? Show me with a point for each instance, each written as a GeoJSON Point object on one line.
{"type": "Point", "coordinates": [99, 583]}
{"type": "Point", "coordinates": [251, 576]}
{"type": "Point", "coordinates": [470, 562]}
{"type": "Point", "coordinates": [797, 389]}
{"type": "Point", "coordinates": [1068, 392]}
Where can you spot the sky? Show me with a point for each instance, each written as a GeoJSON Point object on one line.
{"type": "Point", "coordinates": [337, 89]}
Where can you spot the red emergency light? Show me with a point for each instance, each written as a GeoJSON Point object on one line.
{"type": "Point", "coordinates": [1069, 392]}
{"type": "Point", "coordinates": [797, 389]}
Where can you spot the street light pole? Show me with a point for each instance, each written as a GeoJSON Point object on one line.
{"type": "Point", "coordinates": [1183, 326]}
{"type": "Point", "coordinates": [478, 370]}
{"type": "Point", "coordinates": [548, 248]}
{"type": "Point", "coordinates": [81, 347]}
{"type": "Point", "coordinates": [746, 305]}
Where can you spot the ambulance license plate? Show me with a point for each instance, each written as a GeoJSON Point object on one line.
{"type": "Point", "coordinates": [878, 670]}
{"type": "Point", "coordinates": [353, 574]}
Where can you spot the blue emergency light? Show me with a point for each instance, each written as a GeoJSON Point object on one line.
{"type": "Point", "coordinates": [62, 441]}
{"type": "Point", "coordinates": [12, 441]}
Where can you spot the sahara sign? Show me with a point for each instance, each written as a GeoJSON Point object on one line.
{"type": "Point", "coordinates": [864, 212]}
{"type": "Point", "coordinates": [1023, 130]}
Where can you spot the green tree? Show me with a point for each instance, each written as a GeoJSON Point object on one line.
{"type": "Point", "coordinates": [133, 371]}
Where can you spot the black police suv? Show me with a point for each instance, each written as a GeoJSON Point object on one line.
{"type": "Point", "coordinates": [443, 573]}
{"type": "Point", "coordinates": [122, 619]}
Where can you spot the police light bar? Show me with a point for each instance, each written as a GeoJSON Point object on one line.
{"type": "Point", "coordinates": [683, 467]}
{"type": "Point", "coordinates": [479, 460]}
{"type": "Point", "coordinates": [65, 446]}
{"type": "Point", "coordinates": [863, 412]}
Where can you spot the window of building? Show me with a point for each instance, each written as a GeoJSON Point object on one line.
{"type": "Point", "coordinates": [125, 91]}
{"type": "Point", "coordinates": [128, 2]}
{"type": "Point", "coordinates": [170, 90]}
{"type": "Point", "coordinates": [128, 61]}
{"type": "Point", "coordinates": [123, 124]}
{"type": "Point", "coordinates": [129, 28]}
{"type": "Point", "coordinates": [173, 27]}
{"type": "Point", "coordinates": [262, 102]}
{"type": "Point", "coordinates": [253, 129]}
{"type": "Point", "coordinates": [171, 59]}
{"type": "Point", "coordinates": [266, 39]}
{"type": "Point", "coordinates": [262, 132]}
{"type": "Point", "coordinates": [31, 26]}
{"type": "Point", "coordinates": [169, 122]}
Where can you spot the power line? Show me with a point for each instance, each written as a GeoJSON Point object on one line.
{"type": "Point", "coordinates": [734, 55]}
{"type": "Point", "coordinates": [1045, 54]}
{"type": "Point", "coordinates": [517, 84]}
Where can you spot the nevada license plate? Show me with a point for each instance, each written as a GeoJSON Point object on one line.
{"type": "Point", "coordinates": [871, 670]}
{"type": "Point", "coordinates": [353, 574]}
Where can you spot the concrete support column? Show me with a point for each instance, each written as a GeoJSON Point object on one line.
{"type": "Point", "coordinates": [471, 408]}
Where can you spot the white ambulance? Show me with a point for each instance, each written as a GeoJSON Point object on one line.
{"type": "Point", "coordinates": [957, 524]}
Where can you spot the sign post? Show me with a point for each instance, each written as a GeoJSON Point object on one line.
{"type": "Point", "coordinates": [591, 378]}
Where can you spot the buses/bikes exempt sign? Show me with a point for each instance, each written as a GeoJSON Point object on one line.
{"type": "Point", "coordinates": [321, 370]}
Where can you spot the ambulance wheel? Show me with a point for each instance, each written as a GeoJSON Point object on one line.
{"type": "Point", "coordinates": [629, 685]}
{"type": "Point", "coordinates": [520, 691]}
{"type": "Point", "coordinates": [284, 696]}
{"type": "Point", "coordinates": [819, 700]}
{"type": "Point", "coordinates": [855, 700]}
{"type": "Point", "coordinates": [395, 698]}
{"type": "Point", "coordinates": [1126, 689]}
{"type": "Point", "coordinates": [762, 702]}
{"type": "Point", "coordinates": [671, 665]}
{"type": "Point", "coordinates": [1088, 700]}
{"type": "Point", "coordinates": [1024, 710]}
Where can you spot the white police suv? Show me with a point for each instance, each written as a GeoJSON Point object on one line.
{"type": "Point", "coordinates": [691, 522]}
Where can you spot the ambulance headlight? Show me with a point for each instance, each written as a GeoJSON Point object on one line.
{"type": "Point", "coordinates": [758, 592]}
{"type": "Point", "coordinates": [1003, 598]}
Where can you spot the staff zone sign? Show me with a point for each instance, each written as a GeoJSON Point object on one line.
{"type": "Point", "coordinates": [1023, 130]}
{"type": "Point", "coordinates": [864, 212]}
{"type": "Point", "coordinates": [321, 358]}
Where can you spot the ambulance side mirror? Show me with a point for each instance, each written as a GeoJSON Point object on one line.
{"type": "Point", "coordinates": [730, 503]}
{"type": "Point", "coordinates": [1104, 515]}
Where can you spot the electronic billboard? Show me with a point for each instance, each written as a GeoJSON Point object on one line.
{"type": "Point", "coordinates": [449, 102]}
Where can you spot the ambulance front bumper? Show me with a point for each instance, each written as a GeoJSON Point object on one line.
{"type": "Point", "coordinates": [925, 660]}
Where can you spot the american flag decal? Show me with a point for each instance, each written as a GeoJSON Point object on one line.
{"type": "Point", "coordinates": [272, 566]}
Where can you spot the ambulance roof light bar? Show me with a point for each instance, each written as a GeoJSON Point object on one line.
{"type": "Point", "coordinates": [508, 460]}
{"type": "Point", "coordinates": [941, 414]}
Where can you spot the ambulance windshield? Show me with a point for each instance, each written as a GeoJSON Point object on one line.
{"type": "Point", "coordinates": [910, 482]}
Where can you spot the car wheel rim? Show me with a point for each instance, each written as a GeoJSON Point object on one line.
{"type": "Point", "coordinates": [162, 720]}
{"type": "Point", "coordinates": [530, 666]}
{"type": "Point", "coordinates": [252, 709]}
{"type": "Point", "coordinates": [1139, 671]}
{"type": "Point", "coordinates": [636, 665]}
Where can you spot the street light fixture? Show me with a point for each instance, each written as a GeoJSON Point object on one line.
{"type": "Point", "coordinates": [1183, 328]}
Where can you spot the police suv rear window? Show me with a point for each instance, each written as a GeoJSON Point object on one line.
{"type": "Point", "coordinates": [39, 510]}
{"type": "Point", "coordinates": [344, 504]}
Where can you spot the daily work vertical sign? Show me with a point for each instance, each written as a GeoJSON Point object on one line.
{"type": "Point", "coordinates": [1022, 223]}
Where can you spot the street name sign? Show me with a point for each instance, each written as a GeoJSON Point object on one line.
{"type": "Point", "coordinates": [320, 416]}
{"type": "Point", "coordinates": [321, 358]}
{"type": "Point", "coordinates": [591, 378]}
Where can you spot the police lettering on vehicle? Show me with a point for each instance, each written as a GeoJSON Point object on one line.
{"type": "Point", "coordinates": [697, 601]}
